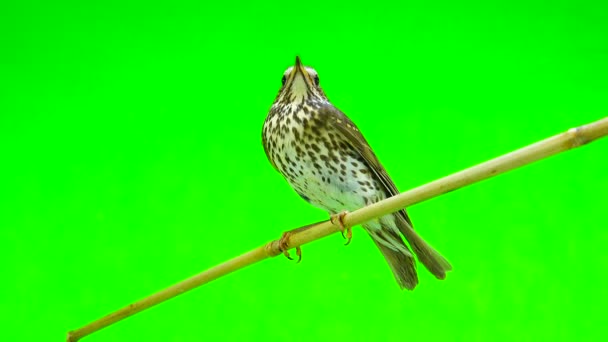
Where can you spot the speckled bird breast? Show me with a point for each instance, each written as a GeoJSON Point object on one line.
{"type": "Point", "coordinates": [316, 159]}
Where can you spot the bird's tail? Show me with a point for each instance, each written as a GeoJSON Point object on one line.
{"type": "Point", "coordinates": [397, 255]}
{"type": "Point", "coordinates": [427, 255]}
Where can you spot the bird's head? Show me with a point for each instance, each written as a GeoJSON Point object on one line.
{"type": "Point", "coordinates": [300, 84]}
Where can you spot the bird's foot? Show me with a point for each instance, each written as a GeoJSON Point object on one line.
{"type": "Point", "coordinates": [284, 245]}
{"type": "Point", "coordinates": [338, 220]}
{"type": "Point", "coordinates": [284, 241]}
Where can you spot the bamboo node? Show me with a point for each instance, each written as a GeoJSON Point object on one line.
{"type": "Point", "coordinates": [578, 137]}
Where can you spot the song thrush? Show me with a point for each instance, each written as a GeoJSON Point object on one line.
{"type": "Point", "coordinates": [328, 162]}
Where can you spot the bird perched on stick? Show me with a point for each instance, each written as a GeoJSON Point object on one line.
{"type": "Point", "coordinates": [328, 162]}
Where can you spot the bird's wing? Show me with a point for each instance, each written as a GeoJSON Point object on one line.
{"type": "Point", "coordinates": [339, 122]}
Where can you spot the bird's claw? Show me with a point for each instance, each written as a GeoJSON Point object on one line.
{"type": "Point", "coordinates": [338, 220]}
{"type": "Point", "coordinates": [284, 245]}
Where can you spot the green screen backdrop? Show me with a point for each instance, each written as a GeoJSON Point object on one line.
{"type": "Point", "coordinates": [131, 158]}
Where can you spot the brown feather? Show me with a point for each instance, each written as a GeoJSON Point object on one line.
{"type": "Point", "coordinates": [403, 266]}
{"type": "Point", "coordinates": [428, 256]}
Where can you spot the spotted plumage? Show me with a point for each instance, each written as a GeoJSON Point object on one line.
{"type": "Point", "coordinates": [328, 162]}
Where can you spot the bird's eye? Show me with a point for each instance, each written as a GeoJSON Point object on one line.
{"type": "Point", "coordinates": [316, 79]}
{"type": "Point", "coordinates": [284, 79]}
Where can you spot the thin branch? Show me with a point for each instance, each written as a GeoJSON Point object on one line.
{"type": "Point", "coordinates": [562, 142]}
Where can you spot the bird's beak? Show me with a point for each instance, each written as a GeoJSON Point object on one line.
{"type": "Point", "coordinates": [299, 68]}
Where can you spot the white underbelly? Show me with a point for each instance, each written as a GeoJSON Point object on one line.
{"type": "Point", "coordinates": [335, 192]}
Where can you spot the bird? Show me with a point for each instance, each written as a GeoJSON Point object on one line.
{"type": "Point", "coordinates": [325, 158]}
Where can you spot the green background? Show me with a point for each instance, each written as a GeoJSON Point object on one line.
{"type": "Point", "coordinates": [131, 158]}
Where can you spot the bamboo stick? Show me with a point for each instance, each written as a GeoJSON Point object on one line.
{"type": "Point", "coordinates": [559, 143]}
